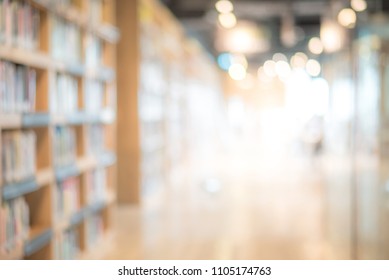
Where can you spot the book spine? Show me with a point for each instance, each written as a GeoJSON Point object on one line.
{"type": "Point", "coordinates": [19, 155]}
{"type": "Point", "coordinates": [14, 224]}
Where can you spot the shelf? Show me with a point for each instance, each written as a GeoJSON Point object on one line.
{"type": "Point", "coordinates": [84, 164]}
{"type": "Point", "coordinates": [14, 190]}
{"type": "Point", "coordinates": [31, 120]}
{"type": "Point", "coordinates": [41, 60]}
{"type": "Point", "coordinates": [38, 239]}
{"type": "Point", "coordinates": [64, 172]}
{"type": "Point", "coordinates": [79, 217]}
{"type": "Point", "coordinates": [106, 32]}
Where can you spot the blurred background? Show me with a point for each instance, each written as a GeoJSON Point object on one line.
{"type": "Point", "coordinates": [181, 129]}
{"type": "Point", "coordinates": [272, 142]}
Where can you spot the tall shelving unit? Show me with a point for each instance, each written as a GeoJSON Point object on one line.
{"type": "Point", "coordinates": [67, 199]}
{"type": "Point", "coordinates": [160, 78]}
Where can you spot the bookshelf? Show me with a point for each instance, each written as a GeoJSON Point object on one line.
{"type": "Point", "coordinates": [159, 77]}
{"type": "Point", "coordinates": [57, 126]}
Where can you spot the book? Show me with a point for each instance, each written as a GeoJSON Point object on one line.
{"type": "Point", "coordinates": [93, 96]}
{"type": "Point", "coordinates": [65, 40]}
{"type": "Point", "coordinates": [66, 244]}
{"type": "Point", "coordinates": [64, 96]}
{"type": "Point", "coordinates": [19, 24]}
{"type": "Point", "coordinates": [14, 224]}
{"type": "Point", "coordinates": [93, 51]}
{"type": "Point", "coordinates": [94, 229]}
{"type": "Point", "coordinates": [95, 139]}
{"type": "Point", "coordinates": [67, 198]}
{"type": "Point", "coordinates": [17, 88]}
{"type": "Point", "coordinates": [96, 185]}
{"type": "Point", "coordinates": [19, 155]}
{"type": "Point", "coordinates": [64, 146]}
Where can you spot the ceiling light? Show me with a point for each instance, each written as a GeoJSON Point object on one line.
{"type": "Point", "coordinates": [227, 20]}
{"type": "Point", "coordinates": [237, 72]}
{"type": "Point", "coordinates": [224, 6]}
{"type": "Point", "coordinates": [331, 35]}
{"type": "Point", "coordinates": [270, 68]}
{"type": "Point", "coordinates": [299, 60]}
{"type": "Point", "coordinates": [347, 18]}
{"type": "Point", "coordinates": [313, 68]}
{"type": "Point", "coordinates": [359, 5]}
{"type": "Point", "coordinates": [283, 69]}
{"type": "Point", "coordinates": [315, 45]}
{"type": "Point", "coordinates": [279, 57]}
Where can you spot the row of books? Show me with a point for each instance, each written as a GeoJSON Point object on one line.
{"type": "Point", "coordinates": [94, 229]}
{"type": "Point", "coordinates": [14, 224]}
{"type": "Point", "coordinates": [93, 96]}
{"type": "Point", "coordinates": [96, 185]}
{"type": "Point", "coordinates": [65, 150]}
{"type": "Point", "coordinates": [94, 8]}
{"type": "Point", "coordinates": [93, 51]}
{"type": "Point", "coordinates": [64, 97]}
{"type": "Point", "coordinates": [65, 40]}
{"type": "Point", "coordinates": [17, 88]}
{"type": "Point", "coordinates": [18, 155]}
{"type": "Point", "coordinates": [67, 198]}
{"type": "Point", "coordinates": [95, 139]}
{"type": "Point", "coordinates": [67, 245]}
{"type": "Point", "coordinates": [19, 24]}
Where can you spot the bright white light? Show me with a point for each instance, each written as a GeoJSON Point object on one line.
{"type": "Point", "coordinates": [224, 6]}
{"type": "Point", "coordinates": [279, 57]}
{"type": "Point", "coordinates": [347, 18]}
{"type": "Point", "coordinates": [283, 69]}
{"type": "Point", "coordinates": [320, 91]}
{"type": "Point", "coordinates": [359, 5]}
{"type": "Point", "coordinates": [313, 68]}
{"type": "Point", "coordinates": [237, 72]}
{"type": "Point", "coordinates": [227, 20]}
{"type": "Point", "coordinates": [332, 36]}
{"type": "Point", "coordinates": [315, 46]}
{"type": "Point", "coordinates": [270, 68]}
{"type": "Point", "coordinates": [299, 60]}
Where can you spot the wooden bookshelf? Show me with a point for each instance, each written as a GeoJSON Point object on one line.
{"type": "Point", "coordinates": [47, 234]}
{"type": "Point", "coordinates": [154, 79]}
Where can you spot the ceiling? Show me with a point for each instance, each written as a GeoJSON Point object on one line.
{"type": "Point", "coordinates": [200, 18]}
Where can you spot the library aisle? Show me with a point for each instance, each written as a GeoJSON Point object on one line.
{"type": "Point", "coordinates": [252, 208]}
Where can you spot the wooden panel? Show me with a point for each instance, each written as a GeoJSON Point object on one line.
{"type": "Point", "coordinates": [128, 119]}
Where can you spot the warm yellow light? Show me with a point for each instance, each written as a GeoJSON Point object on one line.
{"type": "Point", "coordinates": [331, 35]}
{"type": "Point", "coordinates": [270, 68]}
{"type": "Point", "coordinates": [359, 5]}
{"type": "Point", "coordinates": [227, 20]}
{"type": "Point", "coordinates": [237, 72]}
{"type": "Point", "coordinates": [315, 46]}
{"type": "Point", "coordinates": [224, 6]}
{"type": "Point", "coordinates": [299, 60]}
{"type": "Point", "coordinates": [313, 68]}
{"type": "Point", "coordinates": [347, 18]}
